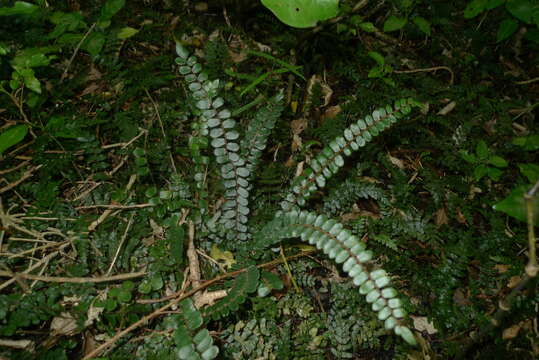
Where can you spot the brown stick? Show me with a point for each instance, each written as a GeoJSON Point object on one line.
{"type": "Point", "coordinates": [26, 175]}
{"type": "Point", "coordinates": [173, 302]}
{"type": "Point", "coordinates": [74, 280]}
{"type": "Point", "coordinates": [434, 68]}
{"type": "Point", "coordinates": [114, 207]}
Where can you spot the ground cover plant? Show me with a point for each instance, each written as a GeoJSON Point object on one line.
{"type": "Point", "coordinates": [201, 180]}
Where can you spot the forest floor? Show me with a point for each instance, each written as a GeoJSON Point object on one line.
{"type": "Point", "coordinates": [109, 191]}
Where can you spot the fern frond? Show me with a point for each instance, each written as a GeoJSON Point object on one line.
{"type": "Point", "coordinates": [330, 159]}
{"type": "Point", "coordinates": [348, 192]}
{"type": "Point", "coordinates": [345, 248]}
{"type": "Point", "coordinates": [193, 341]}
{"type": "Point", "coordinates": [258, 130]}
{"type": "Point", "coordinates": [244, 284]}
{"type": "Point", "coordinates": [216, 122]}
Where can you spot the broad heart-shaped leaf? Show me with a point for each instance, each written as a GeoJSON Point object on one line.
{"type": "Point", "coordinates": [522, 9]}
{"type": "Point", "coordinates": [506, 29]}
{"type": "Point", "coordinates": [514, 205]}
{"type": "Point", "coordinates": [94, 43]}
{"type": "Point", "coordinates": [422, 24]}
{"type": "Point", "coordinates": [12, 136]}
{"type": "Point", "coordinates": [474, 8]}
{"type": "Point", "coordinates": [302, 13]}
{"type": "Point", "coordinates": [110, 8]}
{"type": "Point", "coordinates": [394, 23]}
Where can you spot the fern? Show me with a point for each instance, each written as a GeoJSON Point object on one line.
{"type": "Point", "coordinates": [339, 244]}
{"type": "Point", "coordinates": [193, 342]}
{"type": "Point", "coordinates": [330, 159]}
{"type": "Point", "coordinates": [237, 164]}
{"type": "Point", "coordinates": [244, 284]}
{"type": "Point", "coordinates": [255, 139]}
{"type": "Point", "coordinates": [348, 192]}
{"type": "Point", "coordinates": [216, 122]}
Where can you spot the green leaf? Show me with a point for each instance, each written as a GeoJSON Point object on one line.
{"type": "Point", "coordinates": [492, 4]}
{"type": "Point", "coordinates": [481, 150]}
{"type": "Point", "coordinates": [377, 57]}
{"type": "Point", "coordinates": [480, 171]}
{"type": "Point", "coordinates": [468, 157]}
{"type": "Point", "coordinates": [31, 57]}
{"type": "Point", "coordinates": [57, 126]}
{"type": "Point", "coordinates": [375, 72]}
{"type": "Point", "coordinates": [422, 24]}
{"type": "Point", "coordinates": [367, 27]}
{"type": "Point", "coordinates": [29, 79]}
{"type": "Point", "coordinates": [528, 143]}
{"type": "Point", "coordinates": [110, 9]}
{"type": "Point", "coordinates": [530, 171]}
{"type": "Point", "coordinates": [522, 9]}
{"type": "Point", "coordinates": [394, 23]}
{"type": "Point", "coordinates": [3, 49]}
{"type": "Point", "coordinates": [494, 173]}
{"type": "Point", "coordinates": [126, 32]}
{"type": "Point", "coordinates": [94, 43]}
{"type": "Point", "coordinates": [12, 136]}
{"type": "Point", "coordinates": [175, 237]}
{"type": "Point", "coordinates": [497, 161]}
{"type": "Point", "coordinates": [124, 296]}
{"type": "Point", "coordinates": [191, 314]}
{"type": "Point", "coordinates": [514, 205]}
{"type": "Point", "coordinates": [506, 29]}
{"type": "Point", "coordinates": [474, 8]}
{"type": "Point", "coordinates": [156, 281]}
{"type": "Point", "coordinates": [302, 13]}
{"type": "Point", "coordinates": [19, 8]}
{"type": "Point", "coordinates": [271, 280]}
{"type": "Point", "coordinates": [145, 287]}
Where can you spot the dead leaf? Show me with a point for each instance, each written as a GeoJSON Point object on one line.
{"type": "Point", "coordinates": [511, 332]}
{"type": "Point", "coordinates": [94, 311]}
{"type": "Point", "coordinates": [220, 256]}
{"type": "Point", "coordinates": [89, 343]}
{"type": "Point", "coordinates": [396, 161]}
{"type": "Point", "coordinates": [297, 126]}
{"type": "Point", "coordinates": [501, 268]}
{"type": "Point", "coordinates": [64, 324]}
{"type": "Point", "coordinates": [460, 297]}
{"type": "Point", "coordinates": [237, 49]}
{"type": "Point", "coordinates": [209, 298]}
{"type": "Point", "coordinates": [447, 109]}
{"type": "Point", "coordinates": [299, 168]}
{"type": "Point", "coordinates": [90, 89]}
{"type": "Point", "coordinates": [460, 217]}
{"type": "Point", "coordinates": [421, 323]}
{"type": "Point", "coordinates": [513, 281]}
{"type": "Point", "coordinates": [331, 112]}
{"type": "Point", "coordinates": [441, 217]}
{"type": "Point", "coordinates": [297, 143]}
{"type": "Point", "coordinates": [327, 92]}
{"type": "Point", "coordinates": [201, 6]}
{"type": "Point", "coordinates": [290, 162]}
{"type": "Point", "coordinates": [27, 345]}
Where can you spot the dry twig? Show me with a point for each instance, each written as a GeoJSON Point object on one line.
{"type": "Point", "coordinates": [176, 299]}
